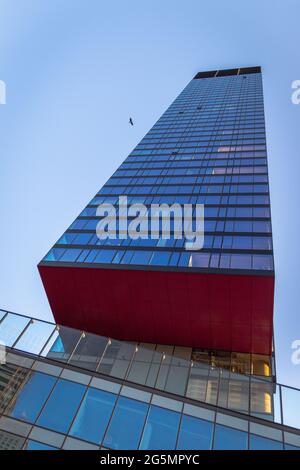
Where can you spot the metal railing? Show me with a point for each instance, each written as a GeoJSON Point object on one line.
{"type": "Point", "coordinates": [250, 395]}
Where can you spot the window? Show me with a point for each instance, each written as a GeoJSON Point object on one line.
{"type": "Point", "coordinates": [262, 443]}
{"type": "Point", "coordinates": [126, 425]}
{"type": "Point", "coordinates": [34, 337]}
{"type": "Point", "coordinates": [161, 428]}
{"type": "Point", "coordinates": [31, 397]}
{"type": "Point", "coordinates": [93, 415]}
{"type": "Point", "coordinates": [141, 257]}
{"type": "Point", "coordinates": [160, 258]}
{"type": "Point", "coordinates": [89, 351]}
{"type": "Point", "coordinates": [262, 262]}
{"type": "Point", "coordinates": [34, 445]}
{"type": "Point", "coordinates": [195, 434]}
{"type": "Point", "coordinates": [199, 260]}
{"type": "Point", "coordinates": [104, 256]}
{"type": "Point", "coordinates": [62, 344]}
{"type": "Point", "coordinates": [70, 255]}
{"type": "Point", "coordinates": [61, 406]}
{"type": "Point", "coordinates": [242, 243]}
{"type": "Point", "coordinates": [241, 261]}
{"type": "Point", "coordinates": [11, 327]}
{"type": "Point", "coordinates": [230, 439]}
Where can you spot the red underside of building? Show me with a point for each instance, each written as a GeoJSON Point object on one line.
{"type": "Point", "coordinates": [214, 311]}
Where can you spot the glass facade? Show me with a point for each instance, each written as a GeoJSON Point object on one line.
{"type": "Point", "coordinates": [221, 383]}
{"type": "Point", "coordinates": [58, 407]}
{"type": "Point", "coordinates": [209, 147]}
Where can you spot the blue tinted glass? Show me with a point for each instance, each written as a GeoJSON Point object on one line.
{"type": "Point", "coordinates": [33, 445]}
{"type": "Point", "coordinates": [141, 257]}
{"type": "Point", "coordinates": [161, 429]}
{"type": "Point", "coordinates": [262, 443]}
{"type": "Point", "coordinates": [93, 415]}
{"type": "Point", "coordinates": [195, 434]}
{"type": "Point", "coordinates": [62, 406]}
{"type": "Point", "coordinates": [70, 254]}
{"type": "Point", "coordinates": [160, 258]}
{"type": "Point", "coordinates": [126, 425]}
{"type": "Point", "coordinates": [104, 256]}
{"type": "Point", "coordinates": [228, 438]}
{"type": "Point", "coordinates": [32, 396]}
{"type": "Point", "coordinates": [289, 447]}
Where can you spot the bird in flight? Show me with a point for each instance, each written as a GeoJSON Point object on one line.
{"type": "Point", "coordinates": [131, 121]}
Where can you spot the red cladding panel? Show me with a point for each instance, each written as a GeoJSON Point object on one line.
{"type": "Point", "coordinates": [215, 311]}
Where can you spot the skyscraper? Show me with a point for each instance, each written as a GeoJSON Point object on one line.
{"type": "Point", "coordinates": [158, 345]}
{"type": "Point", "coordinates": [209, 148]}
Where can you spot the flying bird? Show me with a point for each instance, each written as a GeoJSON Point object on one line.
{"type": "Point", "coordinates": [131, 121]}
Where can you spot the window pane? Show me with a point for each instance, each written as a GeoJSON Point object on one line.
{"type": "Point", "coordinates": [230, 439]}
{"type": "Point", "coordinates": [262, 443]}
{"type": "Point", "coordinates": [195, 434]}
{"type": "Point", "coordinates": [31, 397]}
{"type": "Point", "coordinates": [62, 406]}
{"type": "Point", "coordinates": [10, 441]}
{"type": "Point", "coordinates": [11, 328]}
{"type": "Point", "coordinates": [62, 344]}
{"type": "Point", "coordinates": [116, 359]}
{"type": "Point", "coordinates": [34, 445]}
{"type": "Point", "coordinates": [141, 364]}
{"type": "Point", "coordinates": [35, 336]}
{"type": "Point", "coordinates": [10, 374]}
{"type": "Point", "coordinates": [93, 416]}
{"type": "Point", "coordinates": [160, 430]}
{"type": "Point", "coordinates": [89, 351]}
{"type": "Point", "coordinates": [127, 424]}
{"type": "Point", "coordinates": [290, 407]}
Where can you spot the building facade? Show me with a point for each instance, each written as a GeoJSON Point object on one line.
{"type": "Point", "coordinates": [208, 148]}
{"type": "Point", "coordinates": [62, 388]}
{"type": "Point", "coordinates": [157, 345]}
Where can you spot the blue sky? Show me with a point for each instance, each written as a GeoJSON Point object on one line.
{"type": "Point", "coordinates": [75, 71]}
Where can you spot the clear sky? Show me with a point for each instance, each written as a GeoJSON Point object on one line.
{"type": "Point", "coordinates": [75, 70]}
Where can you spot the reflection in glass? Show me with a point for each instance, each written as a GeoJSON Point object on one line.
{"type": "Point", "coordinates": [11, 379]}
{"type": "Point", "coordinates": [62, 344]}
{"type": "Point", "coordinates": [141, 364]}
{"type": "Point", "coordinates": [10, 441]}
{"type": "Point", "coordinates": [177, 376]}
{"type": "Point", "coordinates": [34, 445]}
{"type": "Point", "coordinates": [238, 393]}
{"type": "Point", "coordinates": [126, 425]}
{"type": "Point", "coordinates": [161, 429]}
{"type": "Point", "coordinates": [262, 443]}
{"type": "Point", "coordinates": [62, 406]}
{"type": "Point", "coordinates": [31, 396]}
{"type": "Point", "coordinates": [89, 351]}
{"type": "Point", "coordinates": [11, 327]}
{"type": "Point", "coordinates": [116, 358]}
{"type": "Point", "coordinates": [195, 434]}
{"type": "Point", "coordinates": [261, 365]}
{"type": "Point", "coordinates": [93, 415]}
{"type": "Point", "coordinates": [34, 337]}
{"type": "Point", "coordinates": [197, 384]}
{"type": "Point", "coordinates": [261, 393]}
{"type": "Point", "coordinates": [230, 439]}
